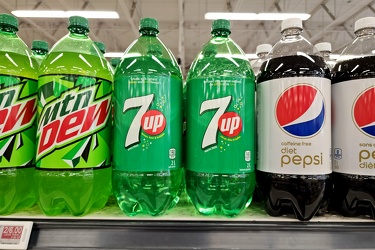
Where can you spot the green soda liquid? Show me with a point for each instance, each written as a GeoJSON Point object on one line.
{"type": "Point", "coordinates": [18, 79]}
{"type": "Point", "coordinates": [74, 174]}
{"type": "Point", "coordinates": [148, 174]}
{"type": "Point", "coordinates": [220, 177]}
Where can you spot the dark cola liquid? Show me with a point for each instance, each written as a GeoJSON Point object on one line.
{"type": "Point", "coordinates": [354, 194]}
{"type": "Point", "coordinates": [302, 195]}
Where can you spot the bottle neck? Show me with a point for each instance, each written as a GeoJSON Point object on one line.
{"type": "Point", "coordinates": [325, 54]}
{"type": "Point", "coordinates": [79, 31]}
{"type": "Point", "coordinates": [220, 33]}
{"type": "Point", "coordinates": [8, 29]}
{"type": "Point", "coordinates": [365, 32]}
{"type": "Point", "coordinates": [40, 52]}
{"type": "Point", "coordinates": [291, 32]}
{"type": "Point", "coordinates": [149, 32]}
{"type": "Point", "coordinates": [262, 55]}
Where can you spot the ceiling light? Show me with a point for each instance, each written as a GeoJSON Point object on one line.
{"type": "Point", "coordinates": [65, 14]}
{"type": "Point", "coordinates": [251, 56]}
{"type": "Point", "coordinates": [282, 16]}
{"type": "Point", "coordinates": [230, 16]}
{"type": "Point", "coordinates": [113, 54]}
{"type": "Point", "coordinates": [254, 16]}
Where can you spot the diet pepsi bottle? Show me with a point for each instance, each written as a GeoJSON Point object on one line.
{"type": "Point", "coordinates": [294, 127]}
{"type": "Point", "coordinates": [353, 100]}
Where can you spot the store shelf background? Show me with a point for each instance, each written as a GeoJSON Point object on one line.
{"type": "Point", "coordinates": [183, 27]}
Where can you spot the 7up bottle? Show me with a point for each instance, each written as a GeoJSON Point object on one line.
{"type": "Point", "coordinates": [74, 125]}
{"type": "Point", "coordinates": [147, 156]}
{"type": "Point", "coordinates": [220, 174]}
{"type": "Point", "coordinates": [18, 84]}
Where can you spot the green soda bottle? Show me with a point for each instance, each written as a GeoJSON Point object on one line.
{"type": "Point", "coordinates": [147, 157]}
{"type": "Point", "coordinates": [114, 62]}
{"type": "Point", "coordinates": [18, 86]}
{"type": "Point", "coordinates": [40, 50]}
{"type": "Point", "coordinates": [74, 125]}
{"type": "Point", "coordinates": [220, 177]}
{"type": "Point", "coordinates": [101, 46]}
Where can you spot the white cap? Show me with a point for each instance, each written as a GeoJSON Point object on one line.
{"type": "Point", "coordinates": [263, 48]}
{"type": "Point", "coordinates": [323, 47]}
{"type": "Point", "coordinates": [366, 22]}
{"type": "Point", "coordinates": [293, 22]}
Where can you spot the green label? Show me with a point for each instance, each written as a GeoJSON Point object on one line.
{"type": "Point", "coordinates": [148, 123]}
{"type": "Point", "coordinates": [74, 128]}
{"type": "Point", "coordinates": [220, 125]}
{"type": "Point", "coordinates": [17, 121]}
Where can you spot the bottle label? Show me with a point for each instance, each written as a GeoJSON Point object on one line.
{"type": "Point", "coordinates": [294, 126]}
{"type": "Point", "coordinates": [148, 123]}
{"type": "Point", "coordinates": [221, 125]}
{"type": "Point", "coordinates": [353, 129]}
{"type": "Point", "coordinates": [17, 121]}
{"type": "Point", "coordinates": [74, 125]}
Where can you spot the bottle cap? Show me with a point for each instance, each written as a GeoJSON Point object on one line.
{"type": "Point", "coordinates": [78, 21]}
{"type": "Point", "coordinates": [101, 46]}
{"type": "Point", "coordinates": [324, 46]}
{"type": "Point", "coordinates": [9, 20]}
{"type": "Point", "coordinates": [39, 44]}
{"type": "Point", "coordinates": [115, 61]}
{"type": "Point", "coordinates": [366, 22]}
{"type": "Point", "coordinates": [263, 48]}
{"type": "Point", "coordinates": [148, 23]}
{"type": "Point", "coordinates": [221, 24]}
{"type": "Point", "coordinates": [293, 22]}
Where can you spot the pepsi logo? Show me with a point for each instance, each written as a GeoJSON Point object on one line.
{"type": "Point", "coordinates": [300, 111]}
{"type": "Point", "coordinates": [364, 112]}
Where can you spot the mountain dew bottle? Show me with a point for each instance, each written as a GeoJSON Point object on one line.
{"type": "Point", "coordinates": [101, 46]}
{"type": "Point", "coordinates": [220, 177]}
{"type": "Point", "coordinates": [18, 86]}
{"type": "Point", "coordinates": [74, 125]}
{"type": "Point", "coordinates": [147, 155]}
{"type": "Point", "coordinates": [40, 50]}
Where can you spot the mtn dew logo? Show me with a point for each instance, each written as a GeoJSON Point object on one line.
{"type": "Point", "coordinates": [17, 120]}
{"type": "Point", "coordinates": [73, 125]}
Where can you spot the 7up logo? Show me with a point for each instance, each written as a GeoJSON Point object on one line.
{"type": "Point", "coordinates": [152, 122]}
{"type": "Point", "coordinates": [228, 123]}
{"type": "Point", "coordinates": [16, 114]}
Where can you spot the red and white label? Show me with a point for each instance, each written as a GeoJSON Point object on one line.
{"type": "Point", "coordinates": [230, 124]}
{"type": "Point", "coordinates": [153, 122]}
{"type": "Point", "coordinates": [15, 234]}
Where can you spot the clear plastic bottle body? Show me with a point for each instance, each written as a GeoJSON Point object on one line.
{"type": "Point", "coordinates": [258, 62]}
{"type": "Point", "coordinates": [354, 71]}
{"type": "Point", "coordinates": [152, 184]}
{"type": "Point", "coordinates": [64, 181]}
{"type": "Point", "coordinates": [298, 193]}
{"type": "Point", "coordinates": [327, 59]}
{"type": "Point", "coordinates": [217, 191]}
{"type": "Point", "coordinates": [16, 177]}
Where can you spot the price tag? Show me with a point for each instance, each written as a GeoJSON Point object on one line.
{"type": "Point", "coordinates": [15, 234]}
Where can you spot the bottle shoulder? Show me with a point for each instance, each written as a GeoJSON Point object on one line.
{"type": "Point", "coordinates": [76, 56]}
{"type": "Point", "coordinates": [16, 57]}
{"type": "Point", "coordinates": [220, 57]}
